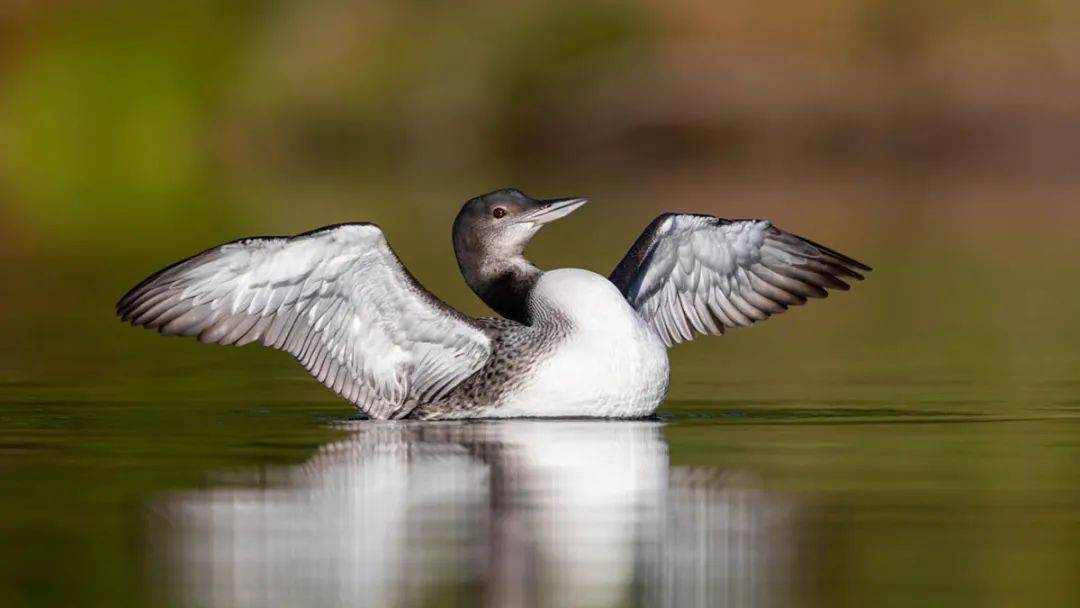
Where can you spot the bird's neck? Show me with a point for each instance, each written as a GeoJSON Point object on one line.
{"type": "Point", "coordinates": [503, 284]}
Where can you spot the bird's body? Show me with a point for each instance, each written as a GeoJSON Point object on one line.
{"type": "Point", "coordinates": [570, 343]}
{"type": "Point", "coordinates": [586, 354]}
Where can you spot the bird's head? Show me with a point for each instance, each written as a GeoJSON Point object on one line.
{"type": "Point", "coordinates": [500, 224]}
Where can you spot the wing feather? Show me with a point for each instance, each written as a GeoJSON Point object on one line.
{"type": "Point", "coordinates": [698, 274]}
{"type": "Point", "coordinates": [337, 299]}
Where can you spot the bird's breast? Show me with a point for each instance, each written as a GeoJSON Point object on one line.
{"type": "Point", "coordinates": [608, 362]}
{"type": "Point", "coordinates": [584, 300]}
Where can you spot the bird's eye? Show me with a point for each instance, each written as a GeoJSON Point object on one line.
{"type": "Point", "coordinates": [499, 213]}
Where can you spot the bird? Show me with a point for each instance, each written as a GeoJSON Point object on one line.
{"type": "Point", "coordinates": [567, 342]}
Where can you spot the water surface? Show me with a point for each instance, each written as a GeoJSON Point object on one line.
{"type": "Point", "coordinates": [890, 446]}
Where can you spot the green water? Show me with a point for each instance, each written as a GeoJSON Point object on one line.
{"type": "Point", "coordinates": [926, 426]}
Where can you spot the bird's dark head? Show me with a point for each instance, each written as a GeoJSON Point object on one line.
{"type": "Point", "coordinates": [500, 224]}
{"type": "Point", "coordinates": [490, 235]}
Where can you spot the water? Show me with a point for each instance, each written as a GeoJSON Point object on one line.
{"type": "Point", "coordinates": [568, 513]}
{"type": "Point", "coordinates": [897, 445]}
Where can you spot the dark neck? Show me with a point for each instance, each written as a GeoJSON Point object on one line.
{"type": "Point", "coordinates": [503, 284]}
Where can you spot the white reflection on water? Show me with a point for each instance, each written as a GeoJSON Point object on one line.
{"type": "Point", "coordinates": [512, 513]}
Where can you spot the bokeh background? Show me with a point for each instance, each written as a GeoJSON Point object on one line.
{"type": "Point", "coordinates": [944, 135]}
{"type": "Point", "coordinates": [937, 141]}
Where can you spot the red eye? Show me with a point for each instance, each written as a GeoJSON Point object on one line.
{"type": "Point", "coordinates": [499, 213]}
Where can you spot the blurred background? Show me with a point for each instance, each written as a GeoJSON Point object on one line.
{"type": "Point", "coordinates": [136, 123]}
{"type": "Point", "coordinates": [936, 141]}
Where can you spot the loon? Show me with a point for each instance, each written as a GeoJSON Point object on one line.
{"type": "Point", "coordinates": [568, 342]}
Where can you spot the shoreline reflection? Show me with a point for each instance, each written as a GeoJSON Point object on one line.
{"type": "Point", "coordinates": [507, 513]}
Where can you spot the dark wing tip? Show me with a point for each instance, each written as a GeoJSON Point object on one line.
{"type": "Point", "coordinates": [860, 266]}
{"type": "Point", "coordinates": [846, 260]}
{"type": "Point", "coordinates": [126, 304]}
{"type": "Point", "coordinates": [848, 265]}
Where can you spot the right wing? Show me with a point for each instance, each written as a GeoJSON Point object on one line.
{"type": "Point", "coordinates": [698, 274]}
{"type": "Point", "coordinates": [336, 298]}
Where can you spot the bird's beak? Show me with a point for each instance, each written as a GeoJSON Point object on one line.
{"type": "Point", "coordinates": [554, 209]}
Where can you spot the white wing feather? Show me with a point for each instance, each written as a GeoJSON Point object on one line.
{"type": "Point", "coordinates": [698, 274]}
{"type": "Point", "coordinates": [337, 298]}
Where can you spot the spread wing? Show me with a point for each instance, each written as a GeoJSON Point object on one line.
{"type": "Point", "coordinates": [698, 274]}
{"type": "Point", "coordinates": [337, 298]}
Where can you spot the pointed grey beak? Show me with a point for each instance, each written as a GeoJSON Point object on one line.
{"type": "Point", "coordinates": [554, 209]}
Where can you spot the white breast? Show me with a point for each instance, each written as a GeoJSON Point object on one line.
{"type": "Point", "coordinates": [611, 364]}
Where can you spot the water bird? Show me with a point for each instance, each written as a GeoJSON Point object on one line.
{"type": "Point", "coordinates": [567, 343]}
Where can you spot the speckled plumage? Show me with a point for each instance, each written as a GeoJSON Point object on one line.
{"type": "Point", "coordinates": [515, 349]}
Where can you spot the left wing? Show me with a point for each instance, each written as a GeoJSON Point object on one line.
{"type": "Point", "coordinates": [699, 274]}
{"type": "Point", "coordinates": [337, 298]}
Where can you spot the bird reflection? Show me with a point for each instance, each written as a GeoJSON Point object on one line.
{"type": "Point", "coordinates": [509, 513]}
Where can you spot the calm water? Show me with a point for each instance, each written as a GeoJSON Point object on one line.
{"type": "Point", "coordinates": [892, 446]}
